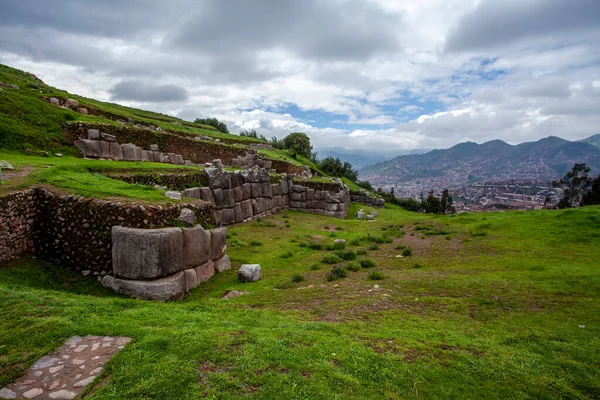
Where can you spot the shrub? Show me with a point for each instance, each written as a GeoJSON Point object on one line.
{"type": "Point", "coordinates": [400, 247]}
{"type": "Point", "coordinates": [331, 259]}
{"type": "Point", "coordinates": [407, 252]}
{"type": "Point", "coordinates": [367, 263]}
{"type": "Point", "coordinates": [255, 243]}
{"type": "Point", "coordinates": [374, 247]}
{"type": "Point", "coordinates": [448, 237]}
{"type": "Point", "coordinates": [301, 244]}
{"type": "Point", "coordinates": [285, 216]}
{"type": "Point", "coordinates": [339, 245]}
{"type": "Point", "coordinates": [314, 266]}
{"type": "Point", "coordinates": [297, 278]}
{"type": "Point", "coordinates": [339, 228]}
{"type": "Point", "coordinates": [353, 266]}
{"type": "Point", "coordinates": [220, 126]}
{"type": "Point", "coordinates": [315, 246]}
{"type": "Point", "coordinates": [417, 265]}
{"type": "Point", "coordinates": [376, 275]}
{"type": "Point", "coordinates": [326, 227]}
{"type": "Point", "coordinates": [378, 239]}
{"type": "Point", "coordinates": [361, 252]}
{"type": "Point", "coordinates": [346, 255]}
{"type": "Point", "coordinates": [354, 242]}
{"type": "Point", "coordinates": [336, 273]}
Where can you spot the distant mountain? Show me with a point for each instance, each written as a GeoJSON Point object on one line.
{"type": "Point", "coordinates": [364, 158]}
{"type": "Point", "coordinates": [593, 140]}
{"type": "Point", "coordinates": [469, 162]}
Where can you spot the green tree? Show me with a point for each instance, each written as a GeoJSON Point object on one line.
{"type": "Point", "coordinates": [592, 196]}
{"type": "Point", "coordinates": [446, 203]}
{"type": "Point", "coordinates": [574, 185]}
{"type": "Point", "coordinates": [298, 143]}
{"type": "Point", "coordinates": [220, 126]}
{"type": "Point", "coordinates": [253, 134]}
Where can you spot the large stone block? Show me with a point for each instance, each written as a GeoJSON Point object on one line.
{"type": "Point", "coordinates": [256, 190]}
{"type": "Point", "coordinates": [267, 189]}
{"type": "Point", "coordinates": [144, 155]}
{"type": "Point", "coordinates": [116, 152]}
{"type": "Point", "coordinates": [196, 246]}
{"type": "Point", "coordinates": [284, 186]}
{"type": "Point", "coordinates": [239, 215]}
{"type": "Point", "coordinates": [104, 149]}
{"type": "Point", "coordinates": [218, 197]}
{"type": "Point", "coordinates": [191, 192]}
{"type": "Point", "coordinates": [128, 151]}
{"type": "Point", "coordinates": [238, 194]}
{"type": "Point", "coordinates": [93, 134]}
{"type": "Point", "coordinates": [146, 253]}
{"type": "Point", "coordinates": [222, 264]}
{"type": "Point", "coordinates": [247, 209]}
{"type": "Point", "coordinates": [138, 153]}
{"type": "Point", "coordinates": [205, 271]}
{"type": "Point", "coordinates": [246, 191]}
{"type": "Point", "coordinates": [276, 189]}
{"type": "Point", "coordinates": [218, 243]}
{"type": "Point", "coordinates": [310, 194]}
{"type": "Point", "coordinates": [227, 216]}
{"type": "Point", "coordinates": [228, 198]}
{"type": "Point", "coordinates": [89, 148]}
{"type": "Point", "coordinates": [165, 289]}
{"type": "Point", "coordinates": [191, 279]}
{"type": "Point", "coordinates": [107, 137]}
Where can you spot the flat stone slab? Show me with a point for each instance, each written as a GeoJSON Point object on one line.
{"type": "Point", "coordinates": [67, 372]}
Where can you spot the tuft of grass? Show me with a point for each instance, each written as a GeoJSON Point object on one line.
{"type": "Point", "coordinates": [287, 284]}
{"type": "Point", "coordinates": [376, 275]}
{"type": "Point", "coordinates": [367, 263]}
{"type": "Point", "coordinates": [407, 252]}
{"type": "Point", "coordinates": [417, 265]}
{"type": "Point", "coordinates": [373, 247]}
{"type": "Point", "coordinates": [331, 259]}
{"type": "Point", "coordinates": [255, 243]}
{"type": "Point", "coordinates": [296, 278]}
{"type": "Point", "coordinates": [400, 246]}
{"type": "Point", "coordinates": [353, 266]}
{"type": "Point", "coordinates": [287, 254]}
{"type": "Point", "coordinates": [339, 245]}
{"type": "Point", "coordinates": [339, 228]}
{"type": "Point", "coordinates": [346, 254]}
{"type": "Point", "coordinates": [314, 266]}
{"type": "Point", "coordinates": [315, 246]}
{"type": "Point", "coordinates": [337, 272]}
{"type": "Point", "coordinates": [361, 252]}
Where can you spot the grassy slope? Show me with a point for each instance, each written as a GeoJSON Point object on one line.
{"type": "Point", "coordinates": [492, 312]}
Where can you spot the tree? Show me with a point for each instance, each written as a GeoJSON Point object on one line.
{"type": "Point", "coordinates": [592, 196]}
{"type": "Point", "coordinates": [574, 185]}
{"type": "Point", "coordinates": [446, 203]}
{"type": "Point", "coordinates": [220, 126]}
{"type": "Point", "coordinates": [253, 134]}
{"type": "Point", "coordinates": [298, 143]}
{"type": "Point", "coordinates": [335, 167]}
{"type": "Point", "coordinates": [432, 204]}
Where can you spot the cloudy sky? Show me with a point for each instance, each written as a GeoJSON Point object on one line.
{"type": "Point", "coordinates": [366, 75]}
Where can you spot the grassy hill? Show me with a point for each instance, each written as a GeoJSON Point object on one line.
{"type": "Point", "coordinates": [488, 306]}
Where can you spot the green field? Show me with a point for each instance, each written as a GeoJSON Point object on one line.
{"type": "Point", "coordinates": [488, 306]}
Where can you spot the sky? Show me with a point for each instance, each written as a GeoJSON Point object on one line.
{"type": "Point", "coordinates": [371, 76]}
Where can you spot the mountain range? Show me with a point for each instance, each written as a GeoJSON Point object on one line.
{"type": "Point", "coordinates": [469, 162]}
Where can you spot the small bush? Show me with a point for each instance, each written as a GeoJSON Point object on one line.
{"type": "Point", "coordinates": [376, 275]}
{"type": "Point", "coordinates": [378, 239]}
{"type": "Point", "coordinates": [374, 247]}
{"type": "Point", "coordinates": [339, 228]}
{"type": "Point", "coordinates": [448, 237]}
{"type": "Point", "coordinates": [331, 259]}
{"type": "Point", "coordinates": [367, 263]}
{"type": "Point", "coordinates": [284, 285]}
{"type": "Point", "coordinates": [285, 216]}
{"type": "Point", "coordinates": [287, 254]}
{"type": "Point", "coordinates": [301, 244]}
{"type": "Point", "coordinates": [314, 266]}
{"type": "Point", "coordinates": [361, 252]}
{"type": "Point", "coordinates": [346, 254]}
{"type": "Point", "coordinates": [353, 266]}
{"type": "Point", "coordinates": [417, 265]}
{"type": "Point", "coordinates": [255, 243]}
{"type": "Point", "coordinates": [339, 245]}
{"type": "Point", "coordinates": [315, 246]}
{"type": "Point", "coordinates": [384, 228]}
{"type": "Point", "coordinates": [336, 273]}
{"type": "Point", "coordinates": [288, 226]}
{"type": "Point", "coordinates": [326, 227]}
{"type": "Point", "coordinates": [354, 242]}
{"type": "Point", "coordinates": [400, 246]}
{"type": "Point", "coordinates": [297, 278]}
{"type": "Point", "coordinates": [407, 252]}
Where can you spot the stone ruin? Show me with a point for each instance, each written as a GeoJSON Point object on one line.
{"type": "Point", "coordinates": [362, 196]}
{"type": "Point", "coordinates": [102, 145]}
{"type": "Point", "coordinates": [69, 104]}
{"type": "Point", "coordinates": [249, 161]}
{"type": "Point", "coordinates": [164, 264]}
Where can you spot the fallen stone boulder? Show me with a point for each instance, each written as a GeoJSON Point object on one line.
{"type": "Point", "coordinates": [196, 246]}
{"type": "Point", "coordinates": [187, 216]}
{"type": "Point", "coordinates": [218, 239]}
{"type": "Point", "coordinates": [72, 103]}
{"type": "Point", "coordinates": [250, 273]}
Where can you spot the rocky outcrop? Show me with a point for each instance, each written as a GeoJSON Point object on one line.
{"type": "Point", "coordinates": [164, 264]}
{"type": "Point", "coordinates": [367, 199]}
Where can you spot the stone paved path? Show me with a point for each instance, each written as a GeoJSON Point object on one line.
{"type": "Point", "coordinates": [66, 373]}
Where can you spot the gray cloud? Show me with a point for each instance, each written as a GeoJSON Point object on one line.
{"type": "Point", "coordinates": [314, 29]}
{"type": "Point", "coordinates": [496, 23]}
{"type": "Point", "coordinates": [148, 92]}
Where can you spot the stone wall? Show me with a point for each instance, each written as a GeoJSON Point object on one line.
{"type": "Point", "coordinates": [364, 198]}
{"type": "Point", "coordinates": [244, 195]}
{"type": "Point", "coordinates": [17, 213]}
{"type": "Point", "coordinates": [250, 160]}
{"type": "Point", "coordinates": [164, 264]}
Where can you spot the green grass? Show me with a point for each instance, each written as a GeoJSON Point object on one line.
{"type": "Point", "coordinates": [489, 317]}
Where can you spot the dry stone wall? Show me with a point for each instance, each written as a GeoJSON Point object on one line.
{"type": "Point", "coordinates": [240, 196]}
{"type": "Point", "coordinates": [17, 214]}
{"type": "Point", "coordinates": [363, 197]}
